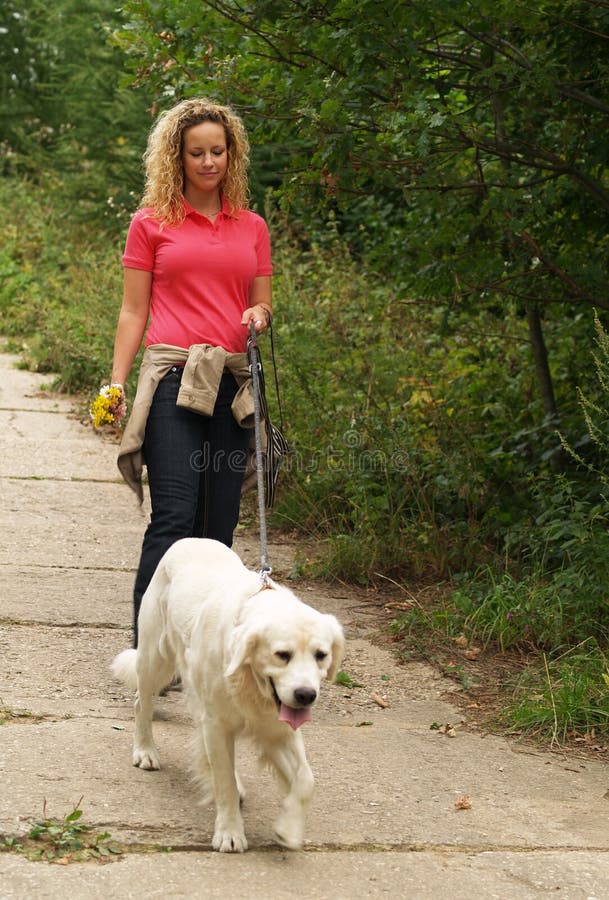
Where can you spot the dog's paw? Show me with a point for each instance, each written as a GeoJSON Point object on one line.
{"type": "Point", "coordinates": [227, 840]}
{"type": "Point", "coordinates": [288, 832]}
{"type": "Point", "coordinates": [146, 758]}
{"type": "Point", "coordinates": [290, 842]}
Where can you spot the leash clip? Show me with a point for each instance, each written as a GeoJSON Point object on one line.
{"type": "Point", "coordinates": [265, 571]}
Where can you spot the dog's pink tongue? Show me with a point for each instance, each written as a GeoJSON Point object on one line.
{"type": "Point", "coordinates": [294, 717]}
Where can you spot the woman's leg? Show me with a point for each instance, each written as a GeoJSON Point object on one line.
{"type": "Point", "coordinates": [172, 442]}
{"type": "Point", "coordinates": [226, 445]}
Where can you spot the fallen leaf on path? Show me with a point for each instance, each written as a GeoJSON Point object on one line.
{"type": "Point", "coordinates": [448, 730]}
{"type": "Point", "coordinates": [590, 741]}
{"type": "Point", "coordinates": [460, 641]}
{"type": "Point", "coordinates": [402, 605]}
{"type": "Point", "coordinates": [384, 704]}
{"type": "Point", "coordinates": [463, 802]}
{"type": "Point", "coordinates": [473, 653]}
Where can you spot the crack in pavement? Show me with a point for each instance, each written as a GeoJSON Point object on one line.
{"type": "Point", "coordinates": [26, 409]}
{"type": "Point", "coordinates": [402, 847]}
{"type": "Point", "coordinates": [58, 568]}
{"type": "Point", "coordinates": [94, 626]}
{"type": "Point", "coordinates": [63, 479]}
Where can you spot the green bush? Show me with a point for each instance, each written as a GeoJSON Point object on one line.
{"type": "Point", "coordinates": [413, 442]}
{"type": "Point", "coordinates": [558, 592]}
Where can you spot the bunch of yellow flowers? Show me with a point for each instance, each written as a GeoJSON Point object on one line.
{"type": "Point", "coordinates": [109, 407]}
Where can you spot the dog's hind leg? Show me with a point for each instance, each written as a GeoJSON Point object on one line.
{"type": "Point", "coordinates": [155, 664]}
{"type": "Point", "coordinates": [153, 671]}
{"type": "Point", "coordinates": [288, 759]}
{"type": "Point", "coordinates": [229, 835]}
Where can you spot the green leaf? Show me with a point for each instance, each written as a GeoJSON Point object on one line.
{"type": "Point", "coordinates": [73, 816]}
{"type": "Point", "coordinates": [346, 680]}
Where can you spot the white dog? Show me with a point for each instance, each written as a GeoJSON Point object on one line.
{"type": "Point", "coordinates": [251, 658]}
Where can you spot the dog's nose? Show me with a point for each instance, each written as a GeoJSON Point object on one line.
{"type": "Point", "coordinates": [305, 696]}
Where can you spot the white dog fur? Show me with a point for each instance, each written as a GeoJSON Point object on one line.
{"type": "Point", "coordinates": [251, 659]}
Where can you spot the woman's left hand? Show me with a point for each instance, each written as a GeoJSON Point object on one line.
{"type": "Point", "coordinates": [259, 315]}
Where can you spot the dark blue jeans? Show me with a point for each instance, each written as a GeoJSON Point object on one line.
{"type": "Point", "coordinates": [195, 471]}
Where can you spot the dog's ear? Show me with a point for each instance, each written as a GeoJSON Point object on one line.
{"type": "Point", "coordinates": [338, 647]}
{"type": "Point", "coordinates": [242, 646]}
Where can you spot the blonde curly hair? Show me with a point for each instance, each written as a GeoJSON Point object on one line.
{"type": "Point", "coordinates": [164, 186]}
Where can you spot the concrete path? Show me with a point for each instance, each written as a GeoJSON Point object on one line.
{"type": "Point", "coordinates": [383, 822]}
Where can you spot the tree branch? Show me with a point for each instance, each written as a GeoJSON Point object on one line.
{"type": "Point", "coordinates": [568, 90]}
{"type": "Point", "coordinates": [499, 45]}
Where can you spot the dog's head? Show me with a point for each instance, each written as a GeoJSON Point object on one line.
{"type": "Point", "coordinates": [289, 648]}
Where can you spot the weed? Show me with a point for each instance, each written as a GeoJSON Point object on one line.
{"type": "Point", "coordinates": [346, 681]}
{"type": "Point", "coordinates": [10, 716]}
{"type": "Point", "coordinates": [437, 622]}
{"type": "Point", "coordinates": [460, 674]}
{"type": "Point", "coordinates": [63, 840]}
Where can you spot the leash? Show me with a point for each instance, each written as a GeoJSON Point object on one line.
{"type": "Point", "coordinates": [255, 367]}
{"type": "Point", "coordinates": [274, 361]}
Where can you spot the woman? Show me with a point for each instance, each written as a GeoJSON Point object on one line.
{"type": "Point", "coordinates": [197, 271]}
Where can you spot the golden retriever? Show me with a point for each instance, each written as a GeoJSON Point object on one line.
{"type": "Point", "coordinates": [251, 658]}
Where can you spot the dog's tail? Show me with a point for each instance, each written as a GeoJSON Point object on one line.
{"type": "Point", "coordinates": [123, 668]}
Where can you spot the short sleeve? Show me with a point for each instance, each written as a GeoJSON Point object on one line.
{"type": "Point", "coordinates": [139, 248]}
{"type": "Point", "coordinates": [263, 249]}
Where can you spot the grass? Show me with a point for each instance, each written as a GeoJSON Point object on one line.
{"type": "Point", "coordinates": [563, 698]}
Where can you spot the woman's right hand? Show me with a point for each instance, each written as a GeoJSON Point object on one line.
{"type": "Point", "coordinates": [120, 410]}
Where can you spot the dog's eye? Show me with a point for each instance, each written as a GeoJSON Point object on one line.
{"type": "Point", "coordinates": [284, 655]}
{"type": "Point", "coordinates": [320, 656]}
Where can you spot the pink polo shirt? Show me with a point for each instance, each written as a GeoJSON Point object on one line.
{"type": "Point", "coordinates": [201, 274]}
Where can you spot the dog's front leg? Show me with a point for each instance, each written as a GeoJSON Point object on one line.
{"type": "Point", "coordinates": [290, 761]}
{"type": "Point", "coordinates": [229, 836]}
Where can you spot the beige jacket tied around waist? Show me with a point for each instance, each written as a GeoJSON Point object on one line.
{"type": "Point", "coordinates": [203, 368]}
